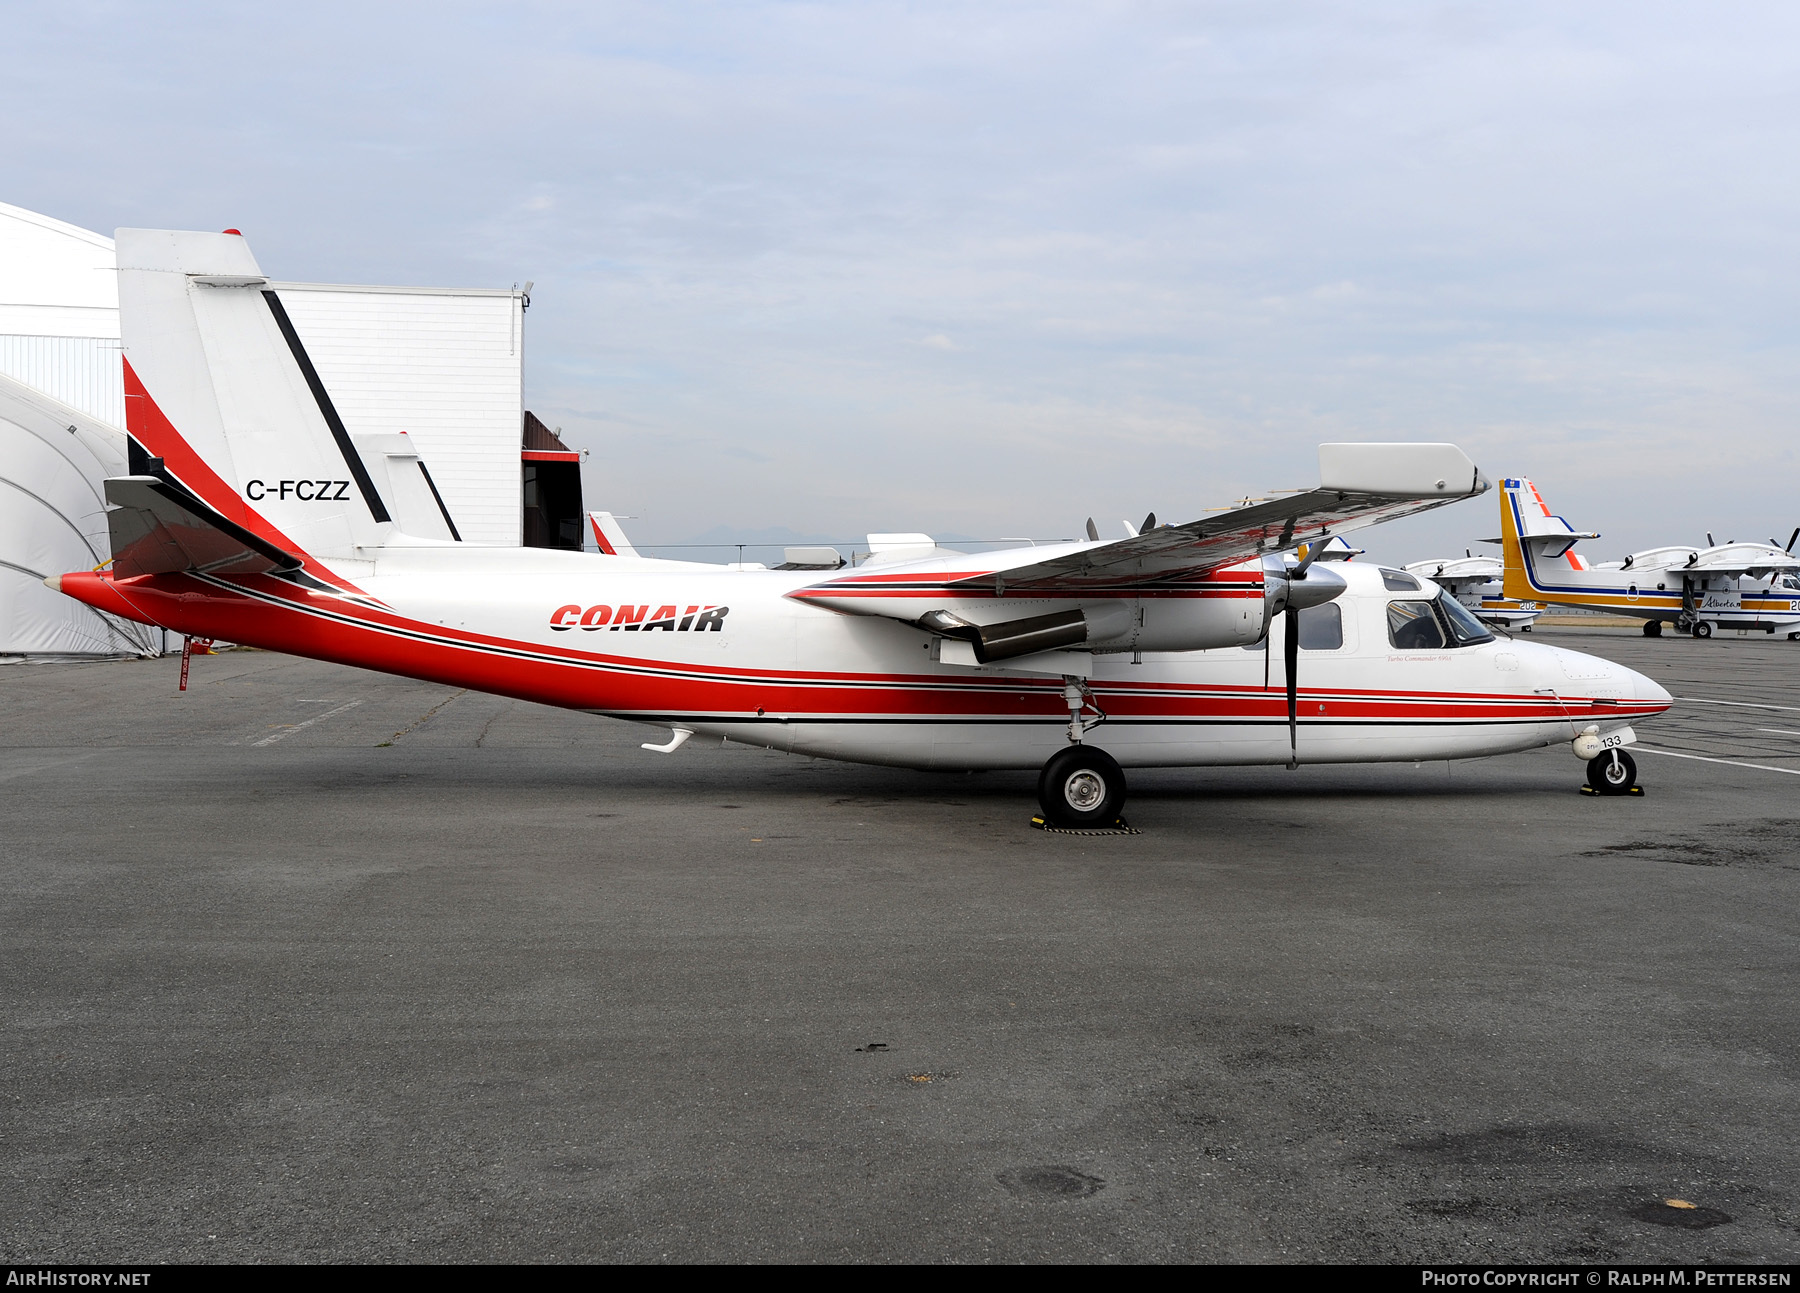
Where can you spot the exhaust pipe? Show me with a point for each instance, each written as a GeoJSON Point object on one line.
{"type": "Point", "coordinates": [1015, 637]}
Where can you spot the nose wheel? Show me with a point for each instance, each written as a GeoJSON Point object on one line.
{"type": "Point", "coordinates": [1081, 787]}
{"type": "Point", "coordinates": [1612, 773]}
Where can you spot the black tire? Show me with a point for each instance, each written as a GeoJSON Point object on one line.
{"type": "Point", "coordinates": [1081, 786]}
{"type": "Point", "coordinates": [1652, 628]}
{"type": "Point", "coordinates": [1702, 628]}
{"type": "Point", "coordinates": [1609, 779]}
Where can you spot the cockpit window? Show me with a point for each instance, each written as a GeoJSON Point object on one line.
{"type": "Point", "coordinates": [1433, 625]}
{"type": "Point", "coordinates": [1398, 581]}
{"type": "Point", "coordinates": [1464, 627]}
{"type": "Point", "coordinates": [1412, 627]}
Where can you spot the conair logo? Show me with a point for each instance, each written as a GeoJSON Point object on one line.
{"type": "Point", "coordinates": [696, 619]}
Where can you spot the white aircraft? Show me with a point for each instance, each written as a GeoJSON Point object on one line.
{"type": "Point", "coordinates": [1745, 586]}
{"type": "Point", "coordinates": [255, 516]}
{"type": "Point", "coordinates": [1475, 582]}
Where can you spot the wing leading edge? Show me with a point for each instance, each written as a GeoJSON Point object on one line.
{"type": "Point", "coordinates": [1360, 485]}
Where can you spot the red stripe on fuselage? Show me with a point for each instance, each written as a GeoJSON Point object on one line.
{"type": "Point", "coordinates": [200, 606]}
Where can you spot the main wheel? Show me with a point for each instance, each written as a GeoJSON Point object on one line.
{"type": "Point", "coordinates": [1081, 786]}
{"type": "Point", "coordinates": [1702, 628]}
{"type": "Point", "coordinates": [1652, 628]}
{"type": "Point", "coordinates": [1612, 773]}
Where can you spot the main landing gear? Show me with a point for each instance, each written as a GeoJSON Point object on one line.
{"type": "Point", "coordinates": [1702, 629]}
{"type": "Point", "coordinates": [1652, 628]}
{"type": "Point", "coordinates": [1612, 773]}
{"type": "Point", "coordinates": [1081, 787]}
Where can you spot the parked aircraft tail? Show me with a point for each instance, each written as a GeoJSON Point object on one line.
{"type": "Point", "coordinates": [1531, 536]}
{"type": "Point", "coordinates": [223, 401]}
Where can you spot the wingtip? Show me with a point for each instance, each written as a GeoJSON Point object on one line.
{"type": "Point", "coordinates": [53, 583]}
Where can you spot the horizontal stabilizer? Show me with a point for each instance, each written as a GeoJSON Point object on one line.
{"type": "Point", "coordinates": [158, 528]}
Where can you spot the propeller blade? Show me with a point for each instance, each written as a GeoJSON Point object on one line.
{"type": "Point", "coordinates": [1290, 651]}
{"type": "Point", "coordinates": [1093, 532]}
{"type": "Point", "coordinates": [1312, 551]}
{"type": "Point", "coordinates": [1149, 524]}
{"type": "Point", "coordinates": [1709, 540]}
{"type": "Point", "coordinates": [1795, 535]}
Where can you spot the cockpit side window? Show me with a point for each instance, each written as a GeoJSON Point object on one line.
{"type": "Point", "coordinates": [1433, 625]}
{"type": "Point", "coordinates": [1322, 628]}
{"type": "Point", "coordinates": [1412, 627]}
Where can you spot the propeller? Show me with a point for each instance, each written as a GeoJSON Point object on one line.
{"type": "Point", "coordinates": [1709, 540]}
{"type": "Point", "coordinates": [1092, 532]}
{"type": "Point", "coordinates": [1149, 524]}
{"type": "Point", "coordinates": [1790, 543]}
{"type": "Point", "coordinates": [1299, 593]}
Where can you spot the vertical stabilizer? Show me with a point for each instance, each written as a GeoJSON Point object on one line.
{"type": "Point", "coordinates": [219, 386]}
{"type": "Point", "coordinates": [609, 535]}
{"type": "Point", "coordinates": [1531, 538]}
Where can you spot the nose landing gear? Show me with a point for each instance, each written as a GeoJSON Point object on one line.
{"type": "Point", "coordinates": [1612, 773]}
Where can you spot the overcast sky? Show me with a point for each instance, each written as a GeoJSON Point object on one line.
{"type": "Point", "coordinates": [990, 269]}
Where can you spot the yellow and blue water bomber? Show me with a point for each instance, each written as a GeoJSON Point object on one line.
{"type": "Point", "coordinates": [1750, 587]}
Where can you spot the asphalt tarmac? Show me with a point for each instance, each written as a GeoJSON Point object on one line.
{"type": "Point", "coordinates": [311, 964]}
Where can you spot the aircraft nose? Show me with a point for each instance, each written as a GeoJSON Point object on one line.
{"type": "Point", "coordinates": [1647, 689]}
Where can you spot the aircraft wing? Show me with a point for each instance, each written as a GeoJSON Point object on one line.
{"type": "Point", "coordinates": [1360, 485]}
{"type": "Point", "coordinates": [1760, 566]}
{"type": "Point", "coordinates": [158, 528]}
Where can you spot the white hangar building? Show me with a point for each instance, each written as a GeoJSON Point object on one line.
{"type": "Point", "coordinates": [443, 365]}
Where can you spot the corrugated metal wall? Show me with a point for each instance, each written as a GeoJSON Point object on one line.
{"type": "Point", "coordinates": [83, 372]}
{"type": "Point", "coordinates": [442, 366]}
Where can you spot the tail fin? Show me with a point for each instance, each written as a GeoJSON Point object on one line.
{"type": "Point", "coordinates": [219, 386]}
{"type": "Point", "coordinates": [610, 535]}
{"type": "Point", "coordinates": [1531, 535]}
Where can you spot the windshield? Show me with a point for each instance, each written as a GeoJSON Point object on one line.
{"type": "Point", "coordinates": [1464, 627]}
